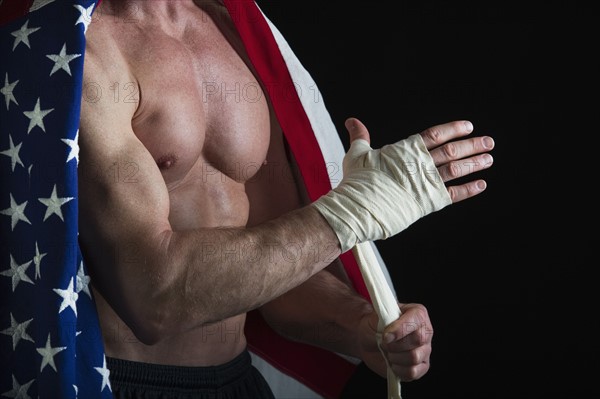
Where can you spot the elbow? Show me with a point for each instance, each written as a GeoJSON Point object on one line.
{"type": "Point", "coordinates": [155, 320]}
{"type": "Point", "coordinates": [163, 319]}
{"type": "Point", "coordinates": [147, 336]}
{"type": "Point", "coordinates": [155, 317]}
{"type": "Point", "coordinates": [150, 330]}
{"type": "Point", "coordinates": [147, 317]}
{"type": "Point", "coordinates": [164, 302]}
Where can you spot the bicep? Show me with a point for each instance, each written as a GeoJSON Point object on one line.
{"type": "Point", "coordinates": [123, 200]}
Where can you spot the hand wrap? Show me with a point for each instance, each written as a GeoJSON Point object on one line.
{"type": "Point", "coordinates": [383, 191]}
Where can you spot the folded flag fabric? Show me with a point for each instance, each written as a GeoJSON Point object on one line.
{"type": "Point", "coordinates": [50, 342]}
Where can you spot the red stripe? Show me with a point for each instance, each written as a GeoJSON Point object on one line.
{"type": "Point", "coordinates": [354, 274]}
{"type": "Point", "coordinates": [264, 54]}
{"type": "Point", "coordinates": [13, 9]}
{"type": "Point", "coordinates": [322, 371]}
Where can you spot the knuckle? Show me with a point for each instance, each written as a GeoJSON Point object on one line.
{"type": "Point", "coordinates": [472, 189]}
{"type": "Point", "coordinates": [453, 193]}
{"type": "Point", "coordinates": [425, 330]}
{"type": "Point", "coordinates": [450, 150]}
{"type": "Point", "coordinates": [421, 313]}
{"type": "Point", "coordinates": [454, 170]}
{"type": "Point", "coordinates": [422, 336]}
{"type": "Point", "coordinates": [433, 134]}
{"type": "Point", "coordinates": [414, 357]}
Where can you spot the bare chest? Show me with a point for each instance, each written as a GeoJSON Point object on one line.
{"type": "Point", "coordinates": [201, 110]}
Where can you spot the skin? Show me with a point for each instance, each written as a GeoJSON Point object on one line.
{"type": "Point", "coordinates": [189, 202]}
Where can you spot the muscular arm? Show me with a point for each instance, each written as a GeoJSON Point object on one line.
{"type": "Point", "coordinates": [323, 311]}
{"type": "Point", "coordinates": [162, 281]}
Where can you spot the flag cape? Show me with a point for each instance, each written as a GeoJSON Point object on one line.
{"type": "Point", "coordinates": [50, 340]}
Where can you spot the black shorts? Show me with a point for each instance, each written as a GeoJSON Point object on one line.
{"type": "Point", "coordinates": [237, 379]}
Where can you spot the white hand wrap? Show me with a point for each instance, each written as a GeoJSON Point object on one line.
{"type": "Point", "coordinates": [383, 191]}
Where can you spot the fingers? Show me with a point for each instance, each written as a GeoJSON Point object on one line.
{"type": "Point", "coordinates": [461, 149]}
{"type": "Point", "coordinates": [411, 357]}
{"type": "Point", "coordinates": [456, 169]}
{"type": "Point", "coordinates": [410, 373]}
{"type": "Point", "coordinates": [465, 191]}
{"type": "Point", "coordinates": [412, 330]}
{"type": "Point", "coordinates": [440, 134]}
{"type": "Point", "coordinates": [357, 130]}
{"type": "Point", "coordinates": [408, 343]}
{"type": "Point", "coordinates": [456, 159]}
{"type": "Point", "coordinates": [453, 158]}
{"type": "Point", "coordinates": [410, 365]}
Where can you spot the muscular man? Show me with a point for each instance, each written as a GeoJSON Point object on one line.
{"type": "Point", "coordinates": [163, 201]}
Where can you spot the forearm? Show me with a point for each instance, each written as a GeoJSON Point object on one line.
{"type": "Point", "coordinates": [219, 273]}
{"type": "Point", "coordinates": [323, 311]}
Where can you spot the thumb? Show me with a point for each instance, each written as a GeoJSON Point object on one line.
{"type": "Point", "coordinates": [360, 144]}
{"type": "Point", "coordinates": [357, 130]}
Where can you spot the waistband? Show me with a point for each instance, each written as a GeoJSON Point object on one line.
{"type": "Point", "coordinates": [185, 377]}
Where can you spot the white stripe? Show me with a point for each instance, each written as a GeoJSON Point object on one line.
{"type": "Point", "coordinates": [282, 385]}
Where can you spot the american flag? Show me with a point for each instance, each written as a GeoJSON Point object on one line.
{"type": "Point", "coordinates": [50, 342]}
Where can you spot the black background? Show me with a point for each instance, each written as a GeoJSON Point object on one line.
{"type": "Point", "coordinates": [506, 276]}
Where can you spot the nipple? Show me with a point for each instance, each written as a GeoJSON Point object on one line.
{"type": "Point", "coordinates": [166, 162]}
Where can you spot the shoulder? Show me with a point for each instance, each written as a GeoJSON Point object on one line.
{"type": "Point", "coordinates": [104, 67]}
{"type": "Point", "coordinates": [101, 50]}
